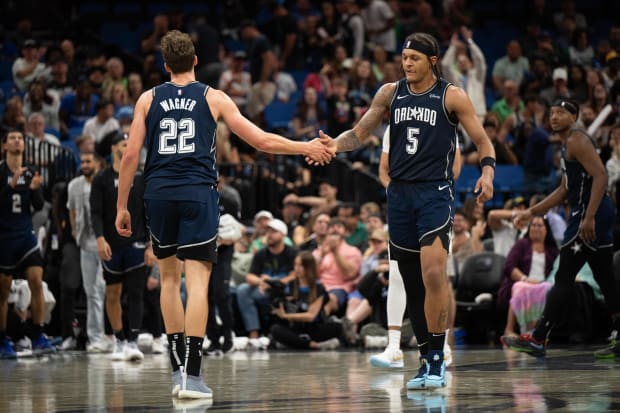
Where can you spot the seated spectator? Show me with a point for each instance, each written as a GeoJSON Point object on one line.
{"type": "Point", "coordinates": [613, 164]}
{"type": "Point", "coordinates": [115, 74]}
{"type": "Point", "coordinates": [538, 159]}
{"type": "Point", "coordinates": [580, 52]}
{"type": "Point", "coordinates": [76, 108]}
{"type": "Point", "coordinates": [357, 235]}
{"type": "Point", "coordinates": [505, 234]}
{"type": "Point", "coordinates": [527, 266]}
{"type": "Point", "coordinates": [236, 82]}
{"type": "Point", "coordinates": [340, 114]}
{"type": "Point", "coordinates": [503, 152]}
{"type": "Point", "coordinates": [325, 202]}
{"type": "Point", "coordinates": [117, 94]}
{"type": "Point", "coordinates": [301, 320]}
{"type": "Point", "coordinates": [274, 262]}
{"type": "Point", "coordinates": [339, 265]}
{"type": "Point", "coordinates": [60, 83]}
{"type": "Point", "coordinates": [559, 88]}
{"type": "Point", "coordinates": [317, 233]}
{"type": "Point", "coordinates": [261, 225]}
{"type": "Point", "coordinates": [85, 144]}
{"type": "Point", "coordinates": [464, 243]}
{"type": "Point", "coordinates": [537, 78]}
{"type": "Point", "coordinates": [519, 125]}
{"type": "Point", "coordinates": [510, 102]}
{"type": "Point", "coordinates": [14, 117]}
{"type": "Point", "coordinates": [611, 73]}
{"type": "Point", "coordinates": [510, 67]}
{"type": "Point", "coordinates": [47, 104]}
{"type": "Point", "coordinates": [28, 68]}
{"type": "Point", "coordinates": [103, 122]}
{"type": "Point", "coordinates": [135, 87]}
{"type": "Point", "coordinates": [362, 87]}
{"type": "Point", "coordinates": [577, 83]}
{"type": "Point", "coordinates": [309, 117]}
{"type": "Point", "coordinates": [225, 152]}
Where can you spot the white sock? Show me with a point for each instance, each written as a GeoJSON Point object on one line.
{"type": "Point", "coordinates": [394, 339]}
{"type": "Point", "coordinates": [397, 297]}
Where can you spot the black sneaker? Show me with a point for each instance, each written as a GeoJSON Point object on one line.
{"type": "Point", "coordinates": [228, 346]}
{"type": "Point", "coordinates": [525, 343]}
{"type": "Point", "coordinates": [213, 349]}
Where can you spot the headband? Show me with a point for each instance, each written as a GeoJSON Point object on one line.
{"type": "Point", "coordinates": [420, 47]}
{"type": "Point", "coordinates": [568, 105]}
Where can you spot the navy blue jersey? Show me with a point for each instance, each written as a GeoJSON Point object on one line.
{"type": "Point", "coordinates": [422, 135]}
{"type": "Point", "coordinates": [180, 142]}
{"type": "Point", "coordinates": [578, 182]}
{"type": "Point", "coordinates": [15, 214]}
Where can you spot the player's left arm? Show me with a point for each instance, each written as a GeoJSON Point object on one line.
{"type": "Point", "coordinates": [130, 161]}
{"type": "Point", "coordinates": [579, 146]}
{"type": "Point", "coordinates": [458, 102]}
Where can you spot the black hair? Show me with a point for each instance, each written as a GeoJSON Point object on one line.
{"type": "Point", "coordinates": [428, 43]}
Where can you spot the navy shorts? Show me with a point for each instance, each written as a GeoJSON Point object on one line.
{"type": "Point", "coordinates": [417, 213]}
{"type": "Point", "coordinates": [185, 228]}
{"type": "Point", "coordinates": [604, 220]}
{"type": "Point", "coordinates": [124, 259]}
{"type": "Point", "coordinates": [18, 252]}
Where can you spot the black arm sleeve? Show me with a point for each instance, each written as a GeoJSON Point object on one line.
{"type": "Point", "coordinates": [96, 205]}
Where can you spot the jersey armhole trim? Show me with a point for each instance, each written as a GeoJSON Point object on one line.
{"type": "Point", "coordinates": [445, 109]}
{"type": "Point", "coordinates": [206, 90]}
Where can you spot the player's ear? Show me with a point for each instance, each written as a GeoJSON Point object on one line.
{"type": "Point", "coordinates": [195, 60]}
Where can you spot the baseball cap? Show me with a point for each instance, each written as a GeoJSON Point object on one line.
{"type": "Point", "coordinates": [29, 43]}
{"type": "Point", "coordinates": [119, 136]}
{"type": "Point", "coordinates": [611, 55]}
{"type": "Point", "coordinates": [262, 214]}
{"type": "Point", "coordinates": [124, 112]}
{"type": "Point", "coordinates": [278, 225]}
{"type": "Point", "coordinates": [560, 73]}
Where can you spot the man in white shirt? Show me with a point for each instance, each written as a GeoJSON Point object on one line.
{"type": "Point", "coordinates": [379, 21]}
{"type": "Point", "coordinates": [27, 68]}
{"type": "Point", "coordinates": [103, 122]}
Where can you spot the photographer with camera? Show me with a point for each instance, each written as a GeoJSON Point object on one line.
{"type": "Point", "coordinates": [301, 319]}
{"type": "Point", "coordinates": [274, 262]}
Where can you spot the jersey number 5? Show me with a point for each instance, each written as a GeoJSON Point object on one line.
{"type": "Point", "coordinates": [181, 132]}
{"type": "Point", "coordinates": [412, 146]}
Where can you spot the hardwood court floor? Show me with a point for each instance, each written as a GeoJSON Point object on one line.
{"type": "Point", "coordinates": [482, 380]}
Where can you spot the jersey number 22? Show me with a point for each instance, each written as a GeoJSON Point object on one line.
{"type": "Point", "coordinates": [178, 131]}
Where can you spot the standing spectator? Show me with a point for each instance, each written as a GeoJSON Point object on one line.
{"type": "Point", "coordinates": [236, 82]}
{"type": "Point", "coordinates": [362, 86]}
{"type": "Point", "coordinates": [27, 69]}
{"type": "Point", "coordinates": [281, 30]}
{"type": "Point", "coordinates": [82, 231]}
{"type": "Point", "coordinates": [466, 73]}
{"type": "Point", "coordinates": [274, 262]}
{"type": "Point", "coordinates": [115, 73]}
{"type": "Point", "coordinates": [612, 72]}
{"type": "Point", "coordinates": [351, 31]}
{"type": "Point", "coordinates": [327, 28]}
{"type": "Point", "coordinates": [510, 67]}
{"type": "Point", "coordinates": [379, 24]}
{"type": "Point", "coordinates": [340, 114]}
{"type": "Point", "coordinates": [103, 122]}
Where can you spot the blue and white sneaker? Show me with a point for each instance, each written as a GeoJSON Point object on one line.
{"type": "Point", "coordinates": [437, 370]}
{"type": "Point", "coordinates": [177, 382]}
{"type": "Point", "coordinates": [192, 387]}
{"type": "Point", "coordinates": [41, 345]}
{"type": "Point", "coordinates": [7, 351]}
{"type": "Point", "coordinates": [419, 380]}
{"type": "Point", "coordinates": [391, 358]}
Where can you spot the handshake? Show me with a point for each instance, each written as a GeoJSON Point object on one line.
{"type": "Point", "coordinates": [321, 150]}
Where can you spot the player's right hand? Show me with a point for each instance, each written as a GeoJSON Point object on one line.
{"type": "Point", "coordinates": [522, 218]}
{"type": "Point", "coordinates": [322, 151]}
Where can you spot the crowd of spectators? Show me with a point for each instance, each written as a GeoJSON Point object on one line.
{"type": "Point", "coordinates": [323, 62]}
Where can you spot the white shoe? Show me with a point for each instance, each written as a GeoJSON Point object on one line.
{"type": "Point", "coordinates": [331, 344]}
{"type": "Point", "coordinates": [447, 354]}
{"type": "Point", "coordinates": [132, 352]}
{"type": "Point", "coordinates": [260, 343]}
{"type": "Point", "coordinates": [375, 341]}
{"type": "Point", "coordinates": [158, 346]}
{"type": "Point", "coordinates": [118, 354]}
{"type": "Point", "coordinates": [23, 343]}
{"type": "Point", "coordinates": [145, 340]}
{"type": "Point", "coordinates": [240, 343]}
{"type": "Point", "coordinates": [391, 358]}
{"type": "Point", "coordinates": [205, 344]}
{"type": "Point", "coordinates": [68, 343]}
{"type": "Point", "coordinates": [99, 346]}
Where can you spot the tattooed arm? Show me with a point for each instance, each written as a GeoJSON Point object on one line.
{"type": "Point", "coordinates": [353, 138]}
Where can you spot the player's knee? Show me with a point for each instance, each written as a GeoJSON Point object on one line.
{"type": "Point", "coordinates": [434, 276]}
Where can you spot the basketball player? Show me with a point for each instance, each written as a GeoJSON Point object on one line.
{"type": "Point", "coordinates": [20, 188]}
{"type": "Point", "coordinates": [424, 112]}
{"type": "Point", "coordinates": [179, 119]}
{"type": "Point", "coordinates": [589, 233]}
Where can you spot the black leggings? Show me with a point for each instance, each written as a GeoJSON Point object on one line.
{"type": "Point", "coordinates": [299, 336]}
{"type": "Point", "coordinates": [220, 298]}
{"type": "Point", "coordinates": [572, 257]}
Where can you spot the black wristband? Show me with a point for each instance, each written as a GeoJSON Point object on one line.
{"type": "Point", "coordinates": [487, 161]}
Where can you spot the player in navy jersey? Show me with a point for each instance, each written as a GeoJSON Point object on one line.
{"type": "Point", "coordinates": [20, 188]}
{"type": "Point", "coordinates": [178, 119]}
{"type": "Point", "coordinates": [424, 113]}
{"type": "Point", "coordinates": [589, 232]}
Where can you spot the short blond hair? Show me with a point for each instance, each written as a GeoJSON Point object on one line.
{"type": "Point", "coordinates": [178, 51]}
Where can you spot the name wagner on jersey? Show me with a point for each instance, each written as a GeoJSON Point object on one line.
{"type": "Point", "coordinates": [415, 113]}
{"type": "Point", "coordinates": [178, 104]}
